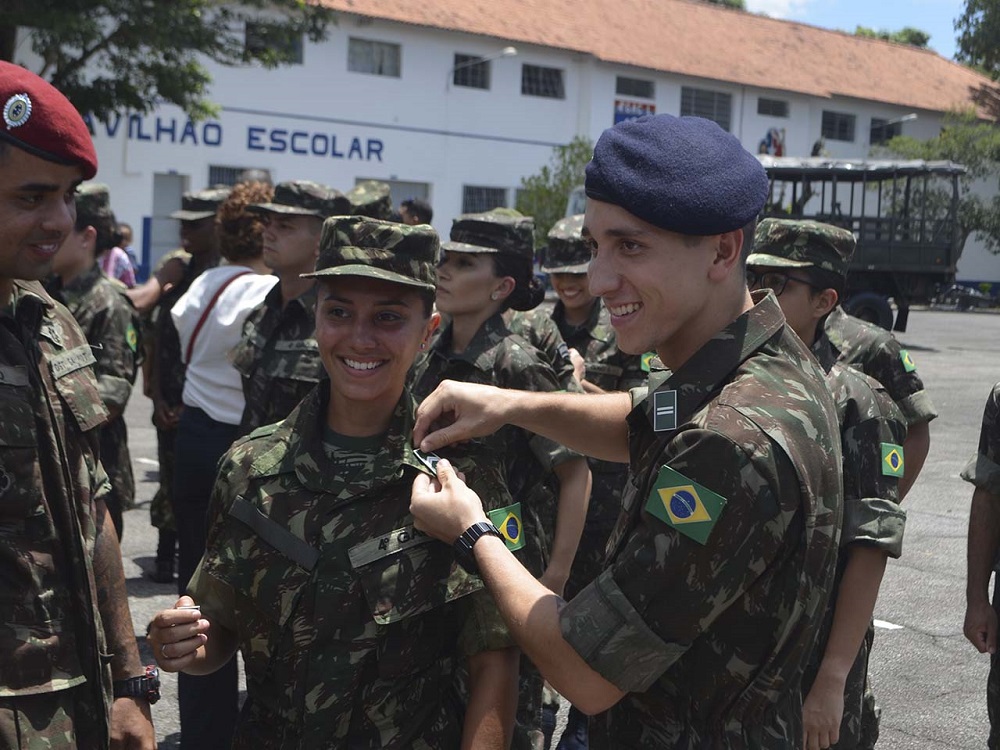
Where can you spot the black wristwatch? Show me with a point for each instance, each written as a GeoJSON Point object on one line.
{"type": "Point", "coordinates": [464, 544]}
{"type": "Point", "coordinates": [147, 686]}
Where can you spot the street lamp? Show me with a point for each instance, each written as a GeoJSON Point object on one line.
{"type": "Point", "coordinates": [505, 52]}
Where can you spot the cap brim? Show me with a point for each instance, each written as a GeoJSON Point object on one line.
{"type": "Point", "coordinates": [776, 261]}
{"type": "Point", "coordinates": [370, 272]}
{"type": "Point", "coordinates": [579, 268]}
{"type": "Point", "coordinates": [279, 208]}
{"type": "Point", "coordinates": [464, 247]}
{"type": "Point", "coordinates": [191, 215]}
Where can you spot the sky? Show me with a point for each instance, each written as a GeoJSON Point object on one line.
{"type": "Point", "coordinates": [936, 17]}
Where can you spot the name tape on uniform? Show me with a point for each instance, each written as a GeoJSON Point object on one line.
{"type": "Point", "coordinates": [684, 504]}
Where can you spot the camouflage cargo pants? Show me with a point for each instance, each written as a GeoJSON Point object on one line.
{"type": "Point", "coordinates": [161, 509]}
{"type": "Point", "coordinates": [48, 721]}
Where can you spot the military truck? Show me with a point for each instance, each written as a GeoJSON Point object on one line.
{"type": "Point", "coordinates": [904, 215]}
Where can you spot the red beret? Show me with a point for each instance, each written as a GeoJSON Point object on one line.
{"type": "Point", "coordinates": [40, 120]}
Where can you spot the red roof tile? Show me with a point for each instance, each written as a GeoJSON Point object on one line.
{"type": "Point", "coordinates": [697, 39]}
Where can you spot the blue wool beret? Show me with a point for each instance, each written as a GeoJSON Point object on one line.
{"type": "Point", "coordinates": [684, 174]}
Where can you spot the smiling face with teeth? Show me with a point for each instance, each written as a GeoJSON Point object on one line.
{"type": "Point", "coordinates": [665, 292]}
{"type": "Point", "coordinates": [369, 332]}
{"type": "Point", "coordinates": [37, 212]}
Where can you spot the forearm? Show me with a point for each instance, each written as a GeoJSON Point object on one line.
{"type": "Point", "coordinates": [853, 610]}
{"type": "Point", "coordinates": [112, 599]}
{"type": "Point", "coordinates": [489, 715]}
{"type": "Point", "coordinates": [214, 653]}
{"type": "Point", "coordinates": [984, 539]}
{"type": "Point", "coordinates": [531, 613]}
{"type": "Point", "coordinates": [571, 515]}
{"type": "Point", "coordinates": [145, 296]}
{"type": "Point", "coordinates": [590, 424]}
{"type": "Point", "coordinates": [915, 448]}
{"type": "Point", "coordinates": [589, 387]}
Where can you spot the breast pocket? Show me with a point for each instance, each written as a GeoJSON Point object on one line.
{"type": "Point", "coordinates": [263, 563]}
{"type": "Point", "coordinates": [407, 579]}
{"type": "Point", "coordinates": [20, 496]}
{"type": "Point", "coordinates": [77, 387]}
{"type": "Point", "coordinates": [604, 376]}
{"type": "Point", "coordinates": [297, 360]}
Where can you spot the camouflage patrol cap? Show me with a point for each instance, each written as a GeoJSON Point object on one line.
{"type": "Point", "coordinates": [493, 232]}
{"type": "Point", "coordinates": [387, 250]}
{"type": "Point", "coordinates": [305, 198]}
{"type": "Point", "coordinates": [567, 252]}
{"type": "Point", "coordinates": [93, 203]}
{"type": "Point", "coordinates": [370, 198]}
{"type": "Point", "coordinates": [789, 243]}
{"type": "Point", "coordinates": [201, 205]}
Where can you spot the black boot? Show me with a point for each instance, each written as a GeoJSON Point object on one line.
{"type": "Point", "coordinates": [165, 558]}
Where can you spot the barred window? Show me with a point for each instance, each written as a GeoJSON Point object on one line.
{"type": "Point", "coordinates": [882, 130]}
{"type": "Point", "coordinates": [218, 175]}
{"type": "Point", "coordinates": [471, 71]}
{"type": "Point", "coordinates": [838, 126]}
{"type": "Point", "coordinates": [712, 105]}
{"type": "Point", "coordinates": [477, 198]}
{"type": "Point", "coordinates": [374, 58]}
{"type": "Point", "coordinates": [265, 39]}
{"type": "Point", "coordinates": [772, 107]}
{"type": "Point", "coordinates": [539, 81]}
{"type": "Point", "coordinates": [634, 87]}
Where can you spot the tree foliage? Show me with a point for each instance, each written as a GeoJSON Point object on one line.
{"type": "Point", "coordinates": [544, 195]}
{"type": "Point", "coordinates": [975, 144]}
{"type": "Point", "coordinates": [738, 4]}
{"type": "Point", "coordinates": [978, 30]}
{"type": "Point", "coordinates": [906, 35]}
{"type": "Point", "coordinates": [109, 56]}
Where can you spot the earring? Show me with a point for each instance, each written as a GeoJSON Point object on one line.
{"type": "Point", "coordinates": [495, 296]}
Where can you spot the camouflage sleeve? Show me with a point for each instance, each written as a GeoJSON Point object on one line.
{"type": "Point", "coordinates": [872, 515]}
{"type": "Point", "coordinates": [116, 349]}
{"type": "Point", "coordinates": [893, 367]}
{"type": "Point", "coordinates": [983, 469]}
{"type": "Point", "coordinates": [633, 375]}
{"type": "Point", "coordinates": [217, 599]}
{"type": "Point", "coordinates": [664, 589]}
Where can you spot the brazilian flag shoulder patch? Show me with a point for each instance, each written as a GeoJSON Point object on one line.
{"type": "Point", "coordinates": [508, 521]}
{"type": "Point", "coordinates": [684, 504]}
{"type": "Point", "coordinates": [907, 360]}
{"type": "Point", "coordinates": [892, 460]}
{"type": "Point", "coordinates": [131, 337]}
{"type": "Point", "coordinates": [646, 361]}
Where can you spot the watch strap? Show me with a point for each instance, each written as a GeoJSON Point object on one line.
{"type": "Point", "coordinates": [467, 540]}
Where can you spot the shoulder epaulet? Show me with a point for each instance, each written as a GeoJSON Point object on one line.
{"type": "Point", "coordinates": [264, 431]}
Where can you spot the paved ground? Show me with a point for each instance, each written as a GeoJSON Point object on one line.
{"type": "Point", "coordinates": [929, 680]}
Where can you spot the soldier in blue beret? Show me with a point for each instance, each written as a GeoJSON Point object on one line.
{"type": "Point", "coordinates": [696, 633]}
{"type": "Point", "coordinates": [70, 675]}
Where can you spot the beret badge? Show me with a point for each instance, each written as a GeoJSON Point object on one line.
{"type": "Point", "coordinates": [17, 110]}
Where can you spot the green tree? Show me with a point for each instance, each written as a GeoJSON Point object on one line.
{"type": "Point", "coordinates": [109, 56]}
{"type": "Point", "coordinates": [907, 35]}
{"type": "Point", "coordinates": [738, 4]}
{"type": "Point", "coordinates": [975, 144]}
{"type": "Point", "coordinates": [544, 195]}
{"type": "Point", "coordinates": [978, 30]}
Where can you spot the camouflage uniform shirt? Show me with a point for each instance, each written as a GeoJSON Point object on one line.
{"type": "Point", "coordinates": [610, 370]}
{"type": "Point", "coordinates": [278, 357]}
{"type": "Point", "coordinates": [539, 330]}
{"type": "Point", "coordinates": [709, 638]}
{"type": "Point", "coordinates": [112, 326]}
{"type": "Point", "coordinates": [51, 637]}
{"type": "Point", "coordinates": [983, 469]}
{"type": "Point", "coordinates": [871, 427]}
{"type": "Point", "coordinates": [875, 352]}
{"type": "Point", "coordinates": [351, 624]}
{"type": "Point", "coordinates": [495, 356]}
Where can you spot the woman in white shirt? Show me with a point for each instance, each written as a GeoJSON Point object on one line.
{"type": "Point", "coordinates": [209, 320]}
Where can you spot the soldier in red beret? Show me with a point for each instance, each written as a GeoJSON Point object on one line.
{"type": "Point", "coordinates": [70, 675]}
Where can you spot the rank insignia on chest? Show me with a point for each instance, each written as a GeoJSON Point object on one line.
{"type": "Point", "coordinates": [892, 460]}
{"type": "Point", "coordinates": [664, 411]}
{"type": "Point", "coordinates": [687, 506]}
{"type": "Point", "coordinates": [508, 522]}
{"type": "Point", "coordinates": [908, 365]}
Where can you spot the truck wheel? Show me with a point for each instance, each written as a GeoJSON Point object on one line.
{"type": "Point", "coordinates": [871, 307]}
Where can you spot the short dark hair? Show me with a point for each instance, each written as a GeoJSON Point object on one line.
{"type": "Point", "coordinates": [748, 232]}
{"type": "Point", "coordinates": [420, 209]}
{"type": "Point", "coordinates": [822, 279]}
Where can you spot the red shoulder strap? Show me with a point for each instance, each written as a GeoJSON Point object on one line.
{"type": "Point", "coordinates": [207, 310]}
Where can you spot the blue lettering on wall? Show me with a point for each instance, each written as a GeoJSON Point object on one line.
{"type": "Point", "coordinates": [170, 126]}
{"type": "Point", "coordinates": [211, 134]}
{"type": "Point", "coordinates": [189, 133]}
{"type": "Point", "coordinates": [278, 142]}
{"type": "Point", "coordinates": [253, 138]}
{"type": "Point", "coordinates": [295, 137]}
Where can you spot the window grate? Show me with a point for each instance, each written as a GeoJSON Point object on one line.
{"type": "Point", "coordinates": [539, 81]}
{"type": "Point", "coordinates": [634, 87]}
{"type": "Point", "coordinates": [374, 58]}
{"type": "Point", "coordinates": [772, 107]}
{"type": "Point", "coordinates": [219, 175]}
{"type": "Point", "coordinates": [838, 126]}
{"type": "Point", "coordinates": [882, 131]}
{"type": "Point", "coordinates": [471, 71]}
{"type": "Point", "coordinates": [477, 198]}
{"type": "Point", "coordinates": [712, 105]}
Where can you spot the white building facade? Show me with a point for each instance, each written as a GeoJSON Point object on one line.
{"type": "Point", "coordinates": [416, 106]}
